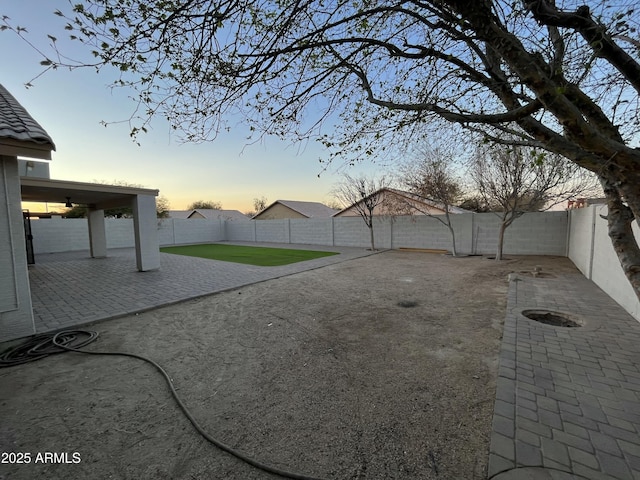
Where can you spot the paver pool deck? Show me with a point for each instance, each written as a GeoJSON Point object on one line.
{"type": "Point", "coordinates": [567, 401]}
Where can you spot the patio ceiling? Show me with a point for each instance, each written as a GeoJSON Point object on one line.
{"type": "Point", "coordinates": [95, 195]}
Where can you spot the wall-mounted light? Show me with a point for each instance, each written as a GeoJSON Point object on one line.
{"type": "Point", "coordinates": [68, 204]}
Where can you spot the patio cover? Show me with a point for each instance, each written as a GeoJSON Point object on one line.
{"type": "Point", "coordinates": [99, 197]}
{"type": "Point", "coordinates": [94, 195]}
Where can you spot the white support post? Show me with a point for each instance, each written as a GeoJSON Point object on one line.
{"type": "Point", "coordinates": [97, 234]}
{"type": "Point", "coordinates": [146, 233]}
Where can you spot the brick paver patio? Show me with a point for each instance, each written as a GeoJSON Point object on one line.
{"type": "Point", "coordinates": [567, 398]}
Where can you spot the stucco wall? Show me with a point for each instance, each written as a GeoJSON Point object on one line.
{"type": "Point", "coordinates": [591, 251]}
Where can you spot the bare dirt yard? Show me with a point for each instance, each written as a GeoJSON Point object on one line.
{"type": "Point", "coordinates": [383, 367]}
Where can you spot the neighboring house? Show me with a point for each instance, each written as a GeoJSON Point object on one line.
{"type": "Point", "coordinates": [209, 214]}
{"type": "Point", "coordinates": [294, 209]}
{"type": "Point", "coordinates": [398, 202]}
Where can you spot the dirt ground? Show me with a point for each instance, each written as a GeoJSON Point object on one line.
{"type": "Point", "coordinates": [383, 367]}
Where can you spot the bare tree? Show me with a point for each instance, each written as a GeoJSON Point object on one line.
{"type": "Point", "coordinates": [560, 76]}
{"type": "Point", "coordinates": [432, 177]}
{"type": "Point", "coordinates": [259, 204]}
{"type": "Point", "coordinates": [162, 207]}
{"type": "Point", "coordinates": [364, 195]}
{"type": "Point", "coordinates": [516, 180]}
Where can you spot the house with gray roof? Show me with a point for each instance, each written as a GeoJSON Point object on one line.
{"type": "Point", "coordinates": [209, 214]}
{"type": "Point", "coordinates": [294, 209]}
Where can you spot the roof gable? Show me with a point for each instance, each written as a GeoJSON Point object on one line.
{"type": "Point", "coordinates": [209, 214]}
{"type": "Point", "coordinates": [411, 198]}
{"type": "Point", "coordinates": [307, 209]}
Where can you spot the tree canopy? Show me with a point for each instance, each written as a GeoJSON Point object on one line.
{"type": "Point", "coordinates": [205, 205]}
{"type": "Point", "coordinates": [516, 180]}
{"type": "Point", "coordinates": [559, 75]}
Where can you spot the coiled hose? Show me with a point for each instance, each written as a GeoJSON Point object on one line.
{"type": "Point", "coordinates": [43, 345]}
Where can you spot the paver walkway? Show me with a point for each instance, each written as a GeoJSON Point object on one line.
{"type": "Point", "coordinates": [568, 399]}
{"type": "Point", "coordinates": [69, 289]}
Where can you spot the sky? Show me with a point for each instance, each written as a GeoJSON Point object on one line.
{"type": "Point", "coordinates": [70, 106]}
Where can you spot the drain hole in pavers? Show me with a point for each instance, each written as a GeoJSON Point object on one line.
{"type": "Point", "coordinates": [551, 318]}
{"type": "Point", "coordinates": [407, 304]}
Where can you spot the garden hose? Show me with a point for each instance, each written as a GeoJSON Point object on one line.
{"type": "Point", "coordinates": [43, 345]}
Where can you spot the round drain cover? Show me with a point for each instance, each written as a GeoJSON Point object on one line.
{"type": "Point", "coordinates": [407, 303]}
{"type": "Point", "coordinates": [552, 318]}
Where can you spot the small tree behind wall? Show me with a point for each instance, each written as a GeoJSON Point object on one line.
{"type": "Point", "coordinates": [516, 180]}
{"type": "Point", "coordinates": [205, 205]}
{"type": "Point", "coordinates": [433, 177]}
{"type": "Point", "coordinates": [363, 194]}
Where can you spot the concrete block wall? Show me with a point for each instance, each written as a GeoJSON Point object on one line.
{"type": "Point", "coordinates": [429, 232]}
{"type": "Point", "coordinates": [187, 231]}
{"type": "Point", "coordinates": [591, 251]}
{"type": "Point", "coordinates": [311, 231]}
{"type": "Point", "coordinates": [353, 232]}
{"type": "Point", "coordinates": [540, 233]}
{"type": "Point", "coordinates": [276, 231]}
{"type": "Point", "coordinates": [72, 234]}
{"type": "Point", "coordinates": [119, 232]}
{"type": "Point", "coordinates": [60, 235]}
{"type": "Point", "coordinates": [240, 231]}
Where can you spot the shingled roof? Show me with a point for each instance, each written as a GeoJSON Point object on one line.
{"type": "Point", "coordinates": [19, 129]}
{"type": "Point", "coordinates": [306, 209]}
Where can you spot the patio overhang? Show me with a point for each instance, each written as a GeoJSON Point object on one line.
{"type": "Point", "coordinates": [99, 197]}
{"type": "Point", "coordinates": [95, 195]}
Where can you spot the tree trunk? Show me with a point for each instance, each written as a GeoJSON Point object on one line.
{"type": "Point", "coordinates": [373, 247]}
{"type": "Point", "coordinates": [453, 241]}
{"type": "Point", "coordinates": [619, 221]}
{"type": "Point", "coordinates": [503, 227]}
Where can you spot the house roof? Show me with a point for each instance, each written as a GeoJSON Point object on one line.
{"type": "Point", "coordinates": [308, 209]}
{"type": "Point", "coordinates": [412, 196]}
{"type": "Point", "coordinates": [179, 213]}
{"type": "Point", "coordinates": [20, 134]}
{"type": "Point", "coordinates": [209, 214]}
{"type": "Point", "coordinates": [428, 201]}
{"type": "Point", "coordinates": [224, 214]}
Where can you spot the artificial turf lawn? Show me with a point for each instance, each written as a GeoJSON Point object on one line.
{"type": "Point", "coordinates": [261, 256]}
